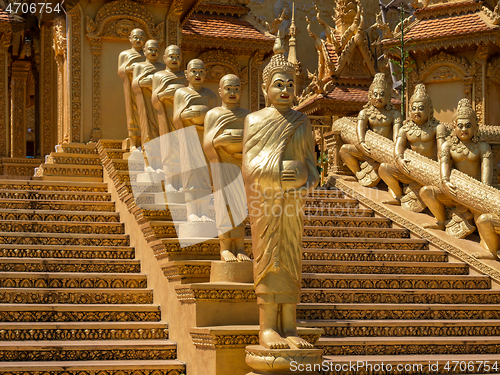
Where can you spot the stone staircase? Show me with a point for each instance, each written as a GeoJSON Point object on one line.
{"type": "Point", "coordinates": [383, 296]}
{"type": "Point", "coordinates": [73, 299]}
{"type": "Point", "coordinates": [380, 293]}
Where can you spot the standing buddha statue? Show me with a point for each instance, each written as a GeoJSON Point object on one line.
{"type": "Point", "coordinates": [279, 169]}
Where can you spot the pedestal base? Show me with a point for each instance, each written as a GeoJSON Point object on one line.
{"type": "Point", "coordinates": [198, 230]}
{"type": "Point", "coordinates": [151, 177]}
{"type": "Point", "coordinates": [231, 272]}
{"type": "Point", "coordinates": [172, 197]}
{"type": "Point", "coordinates": [283, 361]}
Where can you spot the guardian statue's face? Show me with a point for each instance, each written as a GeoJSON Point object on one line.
{"type": "Point", "coordinates": [419, 112]}
{"type": "Point", "coordinates": [465, 129]}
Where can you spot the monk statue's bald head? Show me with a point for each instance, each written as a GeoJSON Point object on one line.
{"type": "Point", "coordinates": [173, 57]}
{"type": "Point", "coordinates": [195, 72]}
{"type": "Point", "coordinates": [230, 90]}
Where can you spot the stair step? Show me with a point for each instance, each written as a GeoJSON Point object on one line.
{"type": "Point", "coordinates": [435, 296]}
{"type": "Point", "coordinates": [38, 313]}
{"type": "Point", "coordinates": [73, 171]}
{"type": "Point", "coordinates": [347, 222]}
{"type": "Point", "coordinates": [64, 239]}
{"type": "Point", "coordinates": [60, 227]}
{"type": "Point", "coordinates": [42, 195]}
{"type": "Point", "coordinates": [69, 265]}
{"type": "Point", "coordinates": [377, 311]}
{"type": "Point", "coordinates": [59, 216]}
{"type": "Point", "coordinates": [21, 331]}
{"type": "Point", "coordinates": [117, 367]}
{"type": "Point", "coordinates": [72, 280]}
{"type": "Point", "coordinates": [365, 243]}
{"type": "Point", "coordinates": [375, 255]}
{"type": "Point", "coordinates": [378, 281]}
{"type": "Point", "coordinates": [409, 345]}
{"type": "Point", "coordinates": [72, 158]}
{"type": "Point", "coordinates": [417, 364]}
{"type": "Point", "coordinates": [338, 212]}
{"type": "Point", "coordinates": [399, 268]}
{"type": "Point", "coordinates": [323, 231]}
{"type": "Point", "coordinates": [65, 252]}
{"type": "Point", "coordinates": [405, 328]}
{"type": "Point", "coordinates": [87, 350]}
{"type": "Point", "coordinates": [115, 144]}
{"type": "Point", "coordinates": [74, 295]}
{"type": "Point", "coordinates": [26, 204]}
{"type": "Point", "coordinates": [60, 186]}
{"type": "Point", "coordinates": [78, 148]}
{"type": "Point", "coordinates": [326, 193]}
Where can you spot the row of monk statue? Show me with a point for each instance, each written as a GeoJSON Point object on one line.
{"type": "Point", "coordinates": [458, 148]}
{"type": "Point", "coordinates": [272, 148]}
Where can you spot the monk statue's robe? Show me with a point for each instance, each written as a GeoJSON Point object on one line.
{"type": "Point", "coordinates": [195, 175]}
{"type": "Point", "coordinates": [271, 139]}
{"type": "Point", "coordinates": [127, 58]}
{"type": "Point", "coordinates": [165, 83]}
{"type": "Point", "coordinates": [225, 165]}
{"type": "Point", "coordinates": [142, 87]}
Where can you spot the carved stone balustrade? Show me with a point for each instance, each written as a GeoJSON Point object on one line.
{"type": "Point", "coordinates": [471, 193]}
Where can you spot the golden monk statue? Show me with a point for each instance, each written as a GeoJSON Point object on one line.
{"type": "Point", "coordinates": [223, 143]}
{"type": "Point", "coordinates": [165, 84]}
{"type": "Point", "coordinates": [191, 104]}
{"type": "Point", "coordinates": [126, 62]}
{"type": "Point", "coordinates": [279, 169]}
{"type": "Point", "coordinates": [421, 132]}
{"type": "Point", "coordinates": [466, 153]}
{"type": "Point", "coordinates": [380, 116]}
{"type": "Point", "coordinates": [142, 86]}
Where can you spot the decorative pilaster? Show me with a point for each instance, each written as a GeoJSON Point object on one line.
{"type": "Point", "coordinates": [46, 92]}
{"type": "Point", "coordinates": [74, 88]}
{"type": "Point", "coordinates": [480, 59]}
{"type": "Point", "coordinates": [4, 105]}
{"type": "Point", "coordinates": [60, 50]}
{"type": "Point", "coordinates": [334, 142]}
{"type": "Point", "coordinates": [96, 89]}
{"type": "Point", "coordinates": [254, 80]}
{"type": "Point", "coordinates": [20, 71]}
{"type": "Point", "coordinates": [174, 32]}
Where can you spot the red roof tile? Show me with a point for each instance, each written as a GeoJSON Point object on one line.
{"type": "Point", "coordinates": [445, 27]}
{"type": "Point", "coordinates": [221, 26]}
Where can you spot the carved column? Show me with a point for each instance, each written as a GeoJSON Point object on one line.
{"type": "Point", "coordinates": [60, 51]}
{"type": "Point", "coordinates": [74, 87]}
{"type": "Point", "coordinates": [480, 59]}
{"type": "Point", "coordinates": [4, 104]}
{"type": "Point", "coordinates": [334, 142]}
{"type": "Point", "coordinates": [46, 92]}
{"type": "Point", "coordinates": [20, 71]}
{"type": "Point", "coordinates": [96, 89]}
{"type": "Point", "coordinates": [174, 32]}
{"type": "Point", "coordinates": [254, 81]}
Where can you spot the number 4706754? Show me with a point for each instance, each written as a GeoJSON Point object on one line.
{"type": "Point", "coordinates": [33, 8]}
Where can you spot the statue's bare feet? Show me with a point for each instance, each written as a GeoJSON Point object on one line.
{"type": "Point", "coordinates": [299, 342]}
{"type": "Point", "coordinates": [484, 255]}
{"type": "Point", "coordinates": [149, 170]}
{"type": "Point", "coordinates": [228, 256]}
{"type": "Point", "coordinates": [438, 225]}
{"type": "Point", "coordinates": [271, 339]}
{"type": "Point", "coordinates": [394, 202]}
{"type": "Point", "coordinates": [206, 219]}
{"type": "Point", "coordinates": [170, 189]}
{"type": "Point", "coordinates": [194, 219]}
{"type": "Point", "coordinates": [242, 257]}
